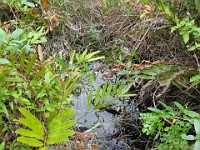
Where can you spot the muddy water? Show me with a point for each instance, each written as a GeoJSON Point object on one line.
{"type": "Point", "coordinates": [106, 124]}
{"type": "Point", "coordinates": [95, 120]}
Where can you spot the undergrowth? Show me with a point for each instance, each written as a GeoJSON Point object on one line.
{"type": "Point", "coordinates": [152, 46]}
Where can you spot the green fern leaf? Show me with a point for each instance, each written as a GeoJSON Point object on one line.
{"type": "Point", "coordinates": [63, 116]}
{"type": "Point", "coordinates": [115, 88]}
{"type": "Point", "coordinates": [30, 141]}
{"type": "Point", "coordinates": [29, 133]}
{"type": "Point", "coordinates": [83, 54]}
{"type": "Point", "coordinates": [31, 122]}
{"type": "Point", "coordinates": [109, 89]}
{"type": "Point", "coordinates": [63, 126]}
{"type": "Point", "coordinates": [123, 91]}
{"type": "Point", "coordinates": [120, 88]}
{"type": "Point", "coordinates": [103, 92]}
{"type": "Point", "coordinates": [97, 96]}
{"type": "Point", "coordinates": [59, 137]}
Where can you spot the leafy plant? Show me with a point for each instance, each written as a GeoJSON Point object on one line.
{"type": "Point", "coordinates": [57, 130]}
{"type": "Point", "coordinates": [170, 125]}
{"type": "Point", "coordinates": [104, 96]}
{"type": "Point", "coordinates": [190, 33]}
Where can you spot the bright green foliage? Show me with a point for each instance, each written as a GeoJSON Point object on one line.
{"type": "Point", "coordinates": [104, 96]}
{"type": "Point", "coordinates": [19, 40]}
{"type": "Point", "coordinates": [57, 129]}
{"type": "Point", "coordinates": [43, 86]}
{"type": "Point", "coordinates": [189, 31]}
{"type": "Point", "coordinates": [170, 125]}
{"type": "Point", "coordinates": [195, 80]}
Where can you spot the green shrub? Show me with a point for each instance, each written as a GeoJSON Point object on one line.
{"type": "Point", "coordinates": [171, 126]}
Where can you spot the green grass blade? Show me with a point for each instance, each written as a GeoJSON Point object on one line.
{"type": "Point", "coordinates": [30, 65]}
{"type": "Point", "coordinates": [90, 98]}
{"type": "Point", "coordinates": [109, 89]}
{"type": "Point", "coordinates": [96, 100]}
{"type": "Point", "coordinates": [103, 92]}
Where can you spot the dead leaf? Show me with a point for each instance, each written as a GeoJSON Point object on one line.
{"type": "Point", "coordinates": [39, 52]}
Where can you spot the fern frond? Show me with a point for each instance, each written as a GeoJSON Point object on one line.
{"type": "Point", "coordinates": [31, 122]}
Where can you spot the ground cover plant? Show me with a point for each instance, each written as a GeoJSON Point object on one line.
{"type": "Point", "coordinates": [150, 47]}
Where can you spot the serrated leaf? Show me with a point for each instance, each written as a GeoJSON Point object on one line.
{"type": "Point", "coordinates": [30, 141]}
{"type": "Point", "coordinates": [29, 133]}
